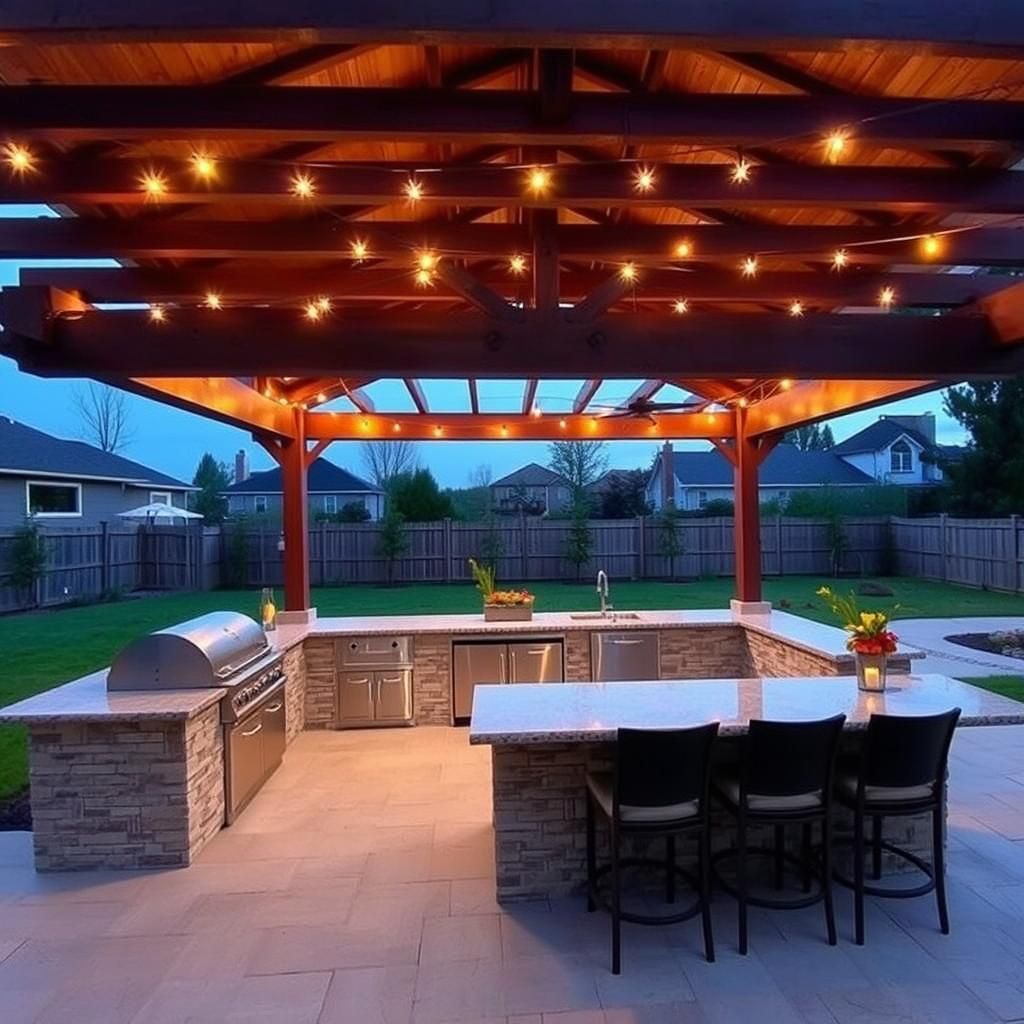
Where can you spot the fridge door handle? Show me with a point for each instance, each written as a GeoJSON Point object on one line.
{"type": "Point", "coordinates": [538, 651]}
{"type": "Point", "coordinates": [512, 656]}
{"type": "Point", "coordinates": [501, 668]}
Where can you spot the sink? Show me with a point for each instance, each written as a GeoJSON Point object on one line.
{"type": "Point", "coordinates": [610, 617]}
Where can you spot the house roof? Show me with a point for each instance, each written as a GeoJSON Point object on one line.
{"type": "Point", "coordinates": [531, 475]}
{"type": "Point", "coordinates": [879, 435]}
{"type": "Point", "coordinates": [604, 481]}
{"type": "Point", "coordinates": [27, 451]}
{"type": "Point", "coordinates": [785, 466]}
{"type": "Point", "coordinates": [324, 478]}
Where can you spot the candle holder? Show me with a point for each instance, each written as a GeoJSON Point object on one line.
{"type": "Point", "coordinates": [871, 670]}
{"type": "Point", "coordinates": [268, 610]}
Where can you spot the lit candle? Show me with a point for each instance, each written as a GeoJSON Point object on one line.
{"type": "Point", "coordinates": [872, 677]}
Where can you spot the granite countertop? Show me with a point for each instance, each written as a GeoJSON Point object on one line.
{"type": "Point", "coordinates": [87, 700]}
{"type": "Point", "coordinates": [576, 712]}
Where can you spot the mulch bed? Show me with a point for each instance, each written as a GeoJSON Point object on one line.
{"type": "Point", "coordinates": [977, 642]}
{"type": "Point", "coordinates": [16, 813]}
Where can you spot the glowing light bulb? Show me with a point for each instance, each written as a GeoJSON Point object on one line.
{"type": "Point", "coordinates": [504, 430]}
{"type": "Point", "coordinates": [680, 306]}
{"type": "Point", "coordinates": [749, 266]}
{"type": "Point", "coordinates": [321, 398]}
{"type": "Point", "coordinates": [539, 180]}
{"type": "Point", "coordinates": [360, 250]}
{"type": "Point", "coordinates": [684, 249]}
{"type": "Point", "coordinates": [364, 424]}
{"type": "Point", "coordinates": [424, 278]}
{"type": "Point", "coordinates": [313, 311]}
{"type": "Point", "coordinates": [438, 431]}
{"type": "Point", "coordinates": [643, 179]}
{"type": "Point", "coordinates": [213, 301]}
{"type": "Point", "coordinates": [835, 145]}
{"type": "Point", "coordinates": [796, 308]}
{"type": "Point", "coordinates": [267, 392]}
{"type": "Point", "coordinates": [517, 264]}
{"type": "Point", "coordinates": [396, 428]}
{"type": "Point", "coordinates": [840, 258]}
{"type": "Point", "coordinates": [157, 314]}
{"type": "Point", "coordinates": [426, 260]}
{"type": "Point", "coordinates": [562, 424]}
{"type": "Point", "coordinates": [742, 403]}
{"type": "Point", "coordinates": [628, 272]}
{"type": "Point", "coordinates": [413, 190]}
{"type": "Point", "coordinates": [535, 412]}
{"type": "Point", "coordinates": [785, 383]}
{"type": "Point", "coordinates": [886, 297]}
{"type": "Point", "coordinates": [282, 400]}
{"type": "Point", "coordinates": [323, 304]}
{"type": "Point", "coordinates": [205, 166]}
{"type": "Point", "coordinates": [303, 186]}
{"type": "Point", "coordinates": [154, 184]}
{"type": "Point", "coordinates": [710, 417]}
{"type": "Point", "coordinates": [19, 158]}
{"type": "Point", "coordinates": [740, 173]}
{"type": "Point", "coordinates": [931, 246]}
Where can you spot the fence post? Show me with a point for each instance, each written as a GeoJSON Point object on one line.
{"type": "Point", "coordinates": [524, 558]}
{"type": "Point", "coordinates": [104, 558]}
{"type": "Point", "coordinates": [641, 547]}
{"type": "Point", "coordinates": [942, 546]}
{"type": "Point", "coordinates": [778, 543]}
{"type": "Point", "coordinates": [263, 560]}
{"type": "Point", "coordinates": [446, 548]}
{"type": "Point", "coordinates": [1015, 548]}
{"type": "Point", "coordinates": [323, 552]}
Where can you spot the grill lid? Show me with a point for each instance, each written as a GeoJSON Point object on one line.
{"type": "Point", "coordinates": [204, 652]}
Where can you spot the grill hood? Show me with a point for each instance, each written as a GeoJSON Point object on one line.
{"type": "Point", "coordinates": [202, 653]}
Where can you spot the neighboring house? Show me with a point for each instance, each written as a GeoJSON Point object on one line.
{"type": "Point", "coordinates": [700, 477]}
{"type": "Point", "coordinates": [330, 488]}
{"type": "Point", "coordinates": [71, 483]}
{"type": "Point", "coordinates": [533, 490]}
{"type": "Point", "coordinates": [899, 450]}
{"type": "Point", "coordinates": [606, 480]}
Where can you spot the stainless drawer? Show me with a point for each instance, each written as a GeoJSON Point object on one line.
{"type": "Point", "coordinates": [374, 651]}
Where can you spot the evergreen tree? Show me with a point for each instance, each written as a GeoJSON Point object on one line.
{"type": "Point", "coordinates": [670, 540]}
{"type": "Point", "coordinates": [580, 541]}
{"type": "Point", "coordinates": [811, 437]}
{"type": "Point", "coordinates": [211, 477]}
{"type": "Point", "coordinates": [626, 496]}
{"type": "Point", "coordinates": [392, 541]}
{"type": "Point", "coordinates": [27, 559]}
{"type": "Point", "coordinates": [418, 499]}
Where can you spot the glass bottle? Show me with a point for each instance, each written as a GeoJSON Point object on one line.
{"type": "Point", "coordinates": [268, 609]}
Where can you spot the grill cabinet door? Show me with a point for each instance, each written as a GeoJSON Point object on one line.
{"type": "Point", "coordinates": [394, 696]}
{"type": "Point", "coordinates": [355, 699]}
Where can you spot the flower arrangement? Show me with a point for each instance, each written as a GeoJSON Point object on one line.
{"type": "Point", "coordinates": [483, 577]}
{"type": "Point", "coordinates": [869, 632]}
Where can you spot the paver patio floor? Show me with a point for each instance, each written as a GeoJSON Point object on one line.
{"type": "Point", "coordinates": [358, 888]}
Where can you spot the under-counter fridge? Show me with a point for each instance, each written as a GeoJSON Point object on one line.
{"type": "Point", "coordinates": [489, 661]}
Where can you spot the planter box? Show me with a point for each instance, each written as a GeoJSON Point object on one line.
{"type": "Point", "coordinates": [508, 612]}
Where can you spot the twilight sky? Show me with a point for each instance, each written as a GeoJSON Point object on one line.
{"type": "Point", "coordinates": [172, 441]}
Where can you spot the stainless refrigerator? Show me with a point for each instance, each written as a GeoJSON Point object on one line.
{"type": "Point", "coordinates": [523, 661]}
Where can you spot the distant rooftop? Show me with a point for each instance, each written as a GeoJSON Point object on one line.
{"type": "Point", "coordinates": [324, 478]}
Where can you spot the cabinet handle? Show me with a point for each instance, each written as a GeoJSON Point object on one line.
{"type": "Point", "coordinates": [274, 707]}
{"type": "Point", "coordinates": [539, 651]}
{"type": "Point", "coordinates": [252, 732]}
{"type": "Point", "coordinates": [377, 698]}
{"type": "Point", "coordinates": [501, 668]}
{"type": "Point", "coordinates": [392, 679]}
{"type": "Point", "coordinates": [512, 655]}
{"type": "Point", "coordinates": [625, 643]}
{"type": "Point", "coordinates": [359, 682]}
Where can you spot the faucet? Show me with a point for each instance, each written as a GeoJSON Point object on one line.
{"type": "Point", "coordinates": [602, 591]}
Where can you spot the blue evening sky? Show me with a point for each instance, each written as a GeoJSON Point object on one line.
{"type": "Point", "coordinates": [172, 441]}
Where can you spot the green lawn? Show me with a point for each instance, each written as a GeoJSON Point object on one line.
{"type": "Point", "coordinates": [1008, 686]}
{"type": "Point", "coordinates": [43, 649]}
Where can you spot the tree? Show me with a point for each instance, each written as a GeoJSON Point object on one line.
{"type": "Point", "coordinates": [481, 476]}
{"type": "Point", "coordinates": [580, 541]}
{"type": "Point", "coordinates": [353, 512]}
{"type": "Point", "coordinates": [211, 477]}
{"type": "Point", "coordinates": [104, 414]}
{"type": "Point", "coordinates": [27, 559]}
{"type": "Point", "coordinates": [670, 540]}
{"type": "Point", "coordinates": [813, 437]}
{"type": "Point", "coordinates": [384, 460]}
{"type": "Point", "coordinates": [626, 496]}
{"type": "Point", "coordinates": [391, 542]}
{"type": "Point", "coordinates": [417, 497]}
{"type": "Point", "coordinates": [989, 479]}
{"type": "Point", "coordinates": [580, 462]}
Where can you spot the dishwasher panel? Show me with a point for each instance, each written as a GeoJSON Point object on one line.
{"type": "Point", "coordinates": [539, 662]}
{"type": "Point", "coordinates": [472, 664]}
{"type": "Point", "coordinates": [626, 656]}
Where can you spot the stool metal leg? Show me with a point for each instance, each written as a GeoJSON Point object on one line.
{"type": "Point", "coordinates": [939, 869]}
{"type": "Point", "coordinates": [876, 846]}
{"type": "Point", "coordinates": [780, 856]}
{"type": "Point", "coordinates": [826, 878]}
{"type": "Point", "coordinates": [741, 879]}
{"type": "Point", "coordinates": [704, 869]}
{"type": "Point", "coordinates": [616, 903]}
{"type": "Point", "coordinates": [591, 855]}
{"type": "Point", "coordinates": [858, 877]}
{"type": "Point", "coordinates": [805, 856]}
{"type": "Point", "coordinates": [670, 869]}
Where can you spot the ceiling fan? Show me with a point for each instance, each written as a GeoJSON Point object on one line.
{"type": "Point", "coordinates": [647, 408]}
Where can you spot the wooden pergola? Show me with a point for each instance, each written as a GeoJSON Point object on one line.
{"type": "Point", "coordinates": [786, 216]}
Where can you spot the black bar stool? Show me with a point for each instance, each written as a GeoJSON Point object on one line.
{"type": "Point", "coordinates": [658, 787]}
{"type": "Point", "coordinates": [785, 777]}
{"type": "Point", "coordinates": [901, 771]}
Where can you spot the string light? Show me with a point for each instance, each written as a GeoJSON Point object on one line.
{"type": "Point", "coordinates": [796, 308]}
{"type": "Point", "coordinates": [321, 398]}
{"type": "Point", "coordinates": [268, 392]}
{"type": "Point", "coordinates": [413, 190]}
{"type": "Point", "coordinates": [840, 259]}
{"type": "Point", "coordinates": [303, 186]}
{"type": "Point", "coordinates": [931, 246]}
{"type": "Point", "coordinates": [710, 416]}
{"type": "Point", "coordinates": [886, 297]}
{"type": "Point", "coordinates": [205, 166]}
{"type": "Point", "coordinates": [785, 383]}
{"type": "Point", "coordinates": [517, 264]}
{"type": "Point", "coordinates": [157, 314]}
{"type": "Point", "coordinates": [438, 431]}
{"type": "Point", "coordinates": [213, 301]}
{"type": "Point", "coordinates": [360, 250]}
{"type": "Point", "coordinates": [19, 158]}
{"type": "Point", "coordinates": [680, 306]}
{"type": "Point", "coordinates": [396, 427]}
{"type": "Point", "coordinates": [539, 180]}
{"type": "Point", "coordinates": [740, 173]}
{"type": "Point", "coordinates": [426, 260]}
{"type": "Point", "coordinates": [364, 424]}
{"type": "Point", "coordinates": [562, 423]}
{"type": "Point", "coordinates": [424, 278]}
{"type": "Point", "coordinates": [504, 430]}
{"type": "Point", "coordinates": [742, 403]}
{"type": "Point", "coordinates": [835, 145]}
{"type": "Point", "coordinates": [313, 310]}
{"type": "Point", "coordinates": [643, 179]}
{"type": "Point", "coordinates": [154, 184]}
{"type": "Point", "coordinates": [282, 400]}
{"type": "Point", "coordinates": [628, 272]}
{"type": "Point", "coordinates": [324, 304]}
{"type": "Point", "coordinates": [535, 411]}
{"type": "Point", "coordinates": [684, 249]}
{"type": "Point", "coordinates": [749, 266]}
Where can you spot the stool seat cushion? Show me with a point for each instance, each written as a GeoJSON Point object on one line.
{"type": "Point", "coordinates": [847, 786]}
{"type": "Point", "coordinates": [600, 786]}
{"type": "Point", "coordinates": [730, 788]}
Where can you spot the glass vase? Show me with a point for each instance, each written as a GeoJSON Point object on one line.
{"type": "Point", "coordinates": [268, 609]}
{"type": "Point", "coordinates": [871, 670]}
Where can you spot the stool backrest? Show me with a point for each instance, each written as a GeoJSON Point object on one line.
{"type": "Point", "coordinates": [904, 750]}
{"type": "Point", "coordinates": [790, 758]}
{"type": "Point", "coordinates": [661, 767]}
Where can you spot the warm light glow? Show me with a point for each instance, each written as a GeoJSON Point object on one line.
{"type": "Point", "coordinates": [680, 306]}
{"type": "Point", "coordinates": [19, 158]}
{"type": "Point", "coordinates": [213, 301]}
{"type": "Point", "coordinates": [562, 424]}
{"type": "Point", "coordinates": [643, 179]}
{"type": "Point", "coordinates": [324, 304]}
{"type": "Point", "coordinates": [504, 430]}
{"type": "Point", "coordinates": [749, 266]}
{"type": "Point", "coordinates": [742, 403]}
{"type": "Point", "coordinates": [740, 173]}
{"type": "Point", "coordinates": [396, 428]}
{"type": "Point", "coordinates": [157, 314]}
{"type": "Point", "coordinates": [840, 258]}
{"type": "Point", "coordinates": [205, 166]}
{"type": "Point", "coordinates": [282, 400]}
{"type": "Point", "coordinates": [539, 180]}
{"type": "Point", "coordinates": [835, 145]}
{"type": "Point", "coordinates": [796, 308]}
{"type": "Point", "coordinates": [710, 417]}
{"type": "Point", "coordinates": [684, 249]}
{"type": "Point", "coordinates": [517, 264]}
{"type": "Point", "coordinates": [313, 310]}
{"type": "Point", "coordinates": [303, 186]}
{"type": "Point", "coordinates": [267, 392]}
{"type": "Point", "coordinates": [321, 398]}
{"type": "Point", "coordinates": [413, 190]}
{"type": "Point", "coordinates": [154, 184]}
{"type": "Point", "coordinates": [628, 272]}
{"type": "Point", "coordinates": [424, 278]}
{"type": "Point", "coordinates": [785, 383]}
{"type": "Point", "coordinates": [886, 297]}
{"type": "Point", "coordinates": [426, 260]}
{"type": "Point", "coordinates": [931, 246]}
{"type": "Point", "coordinates": [535, 412]}
{"type": "Point", "coordinates": [360, 250]}
{"type": "Point", "coordinates": [438, 431]}
{"type": "Point", "coordinates": [364, 424]}
{"type": "Point", "coordinates": [592, 424]}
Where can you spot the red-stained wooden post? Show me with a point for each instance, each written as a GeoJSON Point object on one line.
{"type": "Point", "coordinates": [295, 518]}
{"type": "Point", "coordinates": [747, 514]}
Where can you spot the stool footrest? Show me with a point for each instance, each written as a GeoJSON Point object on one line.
{"type": "Point", "coordinates": [600, 896]}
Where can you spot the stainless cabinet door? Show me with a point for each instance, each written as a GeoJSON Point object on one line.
{"type": "Point", "coordinates": [629, 656]}
{"type": "Point", "coordinates": [535, 663]}
{"type": "Point", "coordinates": [245, 762]}
{"type": "Point", "coordinates": [355, 697]}
{"type": "Point", "coordinates": [476, 663]}
{"type": "Point", "coordinates": [393, 696]}
{"type": "Point", "coordinates": [274, 737]}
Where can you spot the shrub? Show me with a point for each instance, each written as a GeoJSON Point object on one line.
{"type": "Point", "coordinates": [28, 558]}
{"type": "Point", "coordinates": [392, 542]}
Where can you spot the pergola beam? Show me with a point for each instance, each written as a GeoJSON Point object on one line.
{"type": "Point", "coordinates": [529, 396]}
{"type": "Point", "coordinates": [417, 394]}
{"type": "Point", "coordinates": [63, 113]}
{"type": "Point", "coordinates": [300, 63]}
{"type": "Point", "coordinates": [585, 395]}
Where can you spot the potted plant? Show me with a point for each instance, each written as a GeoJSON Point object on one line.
{"type": "Point", "coordinates": [500, 605]}
{"type": "Point", "coordinates": [870, 639]}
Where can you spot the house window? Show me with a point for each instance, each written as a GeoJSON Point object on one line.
{"type": "Point", "coordinates": [330, 504]}
{"type": "Point", "coordinates": [900, 458]}
{"type": "Point", "coordinates": [702, 499]}
{"type": "Point", "coordinates": [160, 497]}
{"type": "Point", "coordinates": [259, 503]}
{"type": "Point", "coordinates": [52, 500]}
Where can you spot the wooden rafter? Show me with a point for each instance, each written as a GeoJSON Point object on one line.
{"type": "Point", "coordinates": [417, 394]}
{"type": "Point", "coordinates": [474, 397]}
{"type": "Point", "coordinates": [298, 64]}
{"type": "Point", "coordinates": [585, 395]}
{"type": "Point", "coordinates": [529, 396]}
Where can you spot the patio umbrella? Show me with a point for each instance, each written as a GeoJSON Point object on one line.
{"type": "Point", "coordinates": [159, 513]}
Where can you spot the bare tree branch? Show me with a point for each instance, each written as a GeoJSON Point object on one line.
{"type": "Point", "coordinates": [384, 460]}
{"type": "Point", "coordinates": [104, 416]}
{"type": "Point", "coordinates": [580, 462]}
